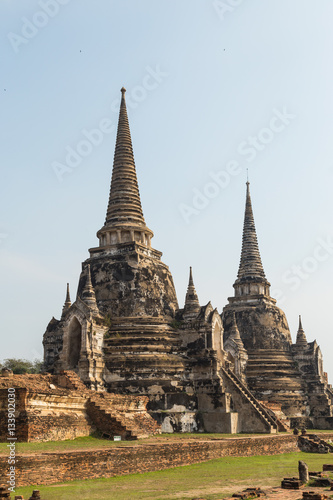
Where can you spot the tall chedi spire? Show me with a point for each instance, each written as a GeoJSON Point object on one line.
{"type": "Point", "coordinates": [124, 218]}
{"type": "Point", "coordinates": [192, 306]}
{"type": "Point", "coordinates": [251, 279]}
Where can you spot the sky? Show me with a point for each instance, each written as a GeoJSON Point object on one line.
{"type": "Point", "coordinates": [214, 89]}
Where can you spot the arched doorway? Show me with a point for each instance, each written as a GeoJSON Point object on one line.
{"type": "Point", "coordinates": [74, 343]}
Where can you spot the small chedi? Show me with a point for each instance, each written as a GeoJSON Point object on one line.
{"type": "Point", "coordinates": [200, 370]}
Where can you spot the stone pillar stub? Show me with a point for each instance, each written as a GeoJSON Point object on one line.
{"type": "Point", "coordinates": [303, 471]}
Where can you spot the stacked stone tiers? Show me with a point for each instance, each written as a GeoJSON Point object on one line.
{"type": "Point", "coordinates": [141, 348]}
{"type": "Point", "coordinates": [273, 376]}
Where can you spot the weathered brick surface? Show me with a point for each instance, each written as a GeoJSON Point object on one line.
{"type": "Point", "coordinates": [311, 495]}
{"type": "Point", "coordinates": [61, 407]}
{"type": "Point", "coordinates": [48, 468]}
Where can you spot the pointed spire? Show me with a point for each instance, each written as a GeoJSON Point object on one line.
{"type": "Point", "coordinates": [190, 280]}
{"type": "Point", "coordinates": [234, 332]}
{"type": "Point", "coordinates": [251, 279]}
{"type": "Point", "coordinates": [124, 201]}
{"type": "Point", "coordinates": [300, 326]}
{"type": "Point", "coordinates": [250, 263]}
{"type": "Point", "coordinates": [192, 306]}
{"type": "Point", "coordinates": [301, 337]}
{"type": "Point", "coordinates": [88, 292]}
{"type": "Point", "coordinates": [68, 302]}
{"type": "Point", "coordinates": [124, 221]}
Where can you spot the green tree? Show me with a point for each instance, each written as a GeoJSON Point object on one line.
{"type": "Point", "coordinates": [20, 366]}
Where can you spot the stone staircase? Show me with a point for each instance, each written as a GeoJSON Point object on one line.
{"type": "Point", "coordinates": [114, 414]}
{"type": "Point", "coordinates": [112, 418]}
{"type": "Point", "coordinates": [262, 413]}
{"type": "Point", "coordinates": [274, 409]}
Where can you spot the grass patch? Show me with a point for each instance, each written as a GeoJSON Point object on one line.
{"type": "Point", "coordinates": [88, 442]}
{"type": "Point", "coordinates": [80, 443]}
{"type": "Point", "coordinates": [213, 480]}
{"type": "Point", "coordinates": [91, 442]}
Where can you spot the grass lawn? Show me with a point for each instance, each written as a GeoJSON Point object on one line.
{"type": "Point", "coordinates": [88, 442]}
{"type": "Point", "coordinates": [95, 442]}
{"type": "Point", "coordinates": [213, 480]}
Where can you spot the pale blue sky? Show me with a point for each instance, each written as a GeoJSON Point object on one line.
{"type": "Point", "coordinates": [201, 84]}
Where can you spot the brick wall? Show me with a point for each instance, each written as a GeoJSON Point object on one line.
{"type": "Point", "coordinates": [45, 417]}
{"type": "Point", "coordinates": [48, 468]}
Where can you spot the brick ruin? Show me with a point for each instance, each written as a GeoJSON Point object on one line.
{"type": "Point", "coordinates": [50, 467]}
{"type": "Point", "coordinates": [57, 407]}
{"type": "Point", "coordinates": [125, 334]}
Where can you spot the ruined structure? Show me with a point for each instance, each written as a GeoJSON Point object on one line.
{"type": "Point", "coordinates": [125, 333]}
{"type": "Point", "coordinates": [57, 407]}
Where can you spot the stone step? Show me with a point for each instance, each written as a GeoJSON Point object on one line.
{"type": "Point", "coordinates": [135, 426]}
{"type": "Point", "coordinates": [249, 396]}
{"type": "Point", "coordinates": [282, 420]}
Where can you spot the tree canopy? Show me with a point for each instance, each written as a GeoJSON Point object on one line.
{"type": "Point", "coordinates": [20, 366]}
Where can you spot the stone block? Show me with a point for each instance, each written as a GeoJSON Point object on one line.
{"type": "Point", "coordinates": [322, 482]}
{"type": "Point", "coordinates": [291, 483]}
{"type": "Point", "coordinates": [311, 495]}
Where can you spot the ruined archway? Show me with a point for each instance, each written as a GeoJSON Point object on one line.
{"type": "Point", "coordinates": [74, 343]}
